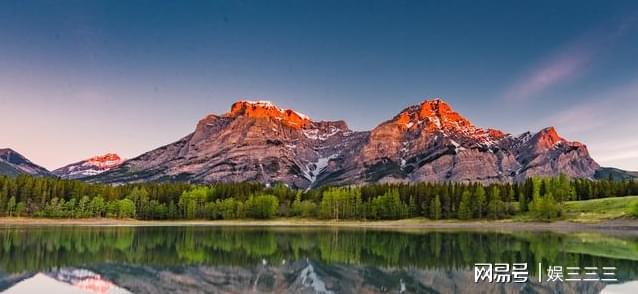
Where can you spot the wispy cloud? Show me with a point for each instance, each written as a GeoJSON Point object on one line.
{"type": "Point", "coordinates": [606, 122]}
{"type": "Point", "coordinates": [567, 62]}
{"type": "Point", "coordinates": [599, 110]}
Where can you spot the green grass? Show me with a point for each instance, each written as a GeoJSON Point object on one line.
{"type": "Point", "coordinates": [598, 209]}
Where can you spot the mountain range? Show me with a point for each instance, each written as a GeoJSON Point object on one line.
{"type": "Point", "coordinates": [258, 141]}
{"type": "Point", "coordinates": [13, 163]}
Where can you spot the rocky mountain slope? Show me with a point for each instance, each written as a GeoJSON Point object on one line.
{"type": "Point", "coordinates": [13, 163]}
{"type": "Point", "coordinates": [431, 142]}
{"type": "Point", "coordinates": [89, 167]}
{"type": "Point", "coordinates": [253, 141]}
{"type": "Point", "coordinates": [258, 141]}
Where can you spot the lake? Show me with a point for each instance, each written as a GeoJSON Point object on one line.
{"type": "Point", "coordinates": [206, 259]}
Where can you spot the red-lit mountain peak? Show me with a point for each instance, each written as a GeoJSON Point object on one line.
{"type": "Point", "coordinates": [433, 115]}
{"type": "Point", "coordinates": [436, 115]}
{"type": "Point", "coordinates": [108, 160]}
{"type": "Point", "coordinates": [441, 115]}
{"type": "Point", "coordinates": [547, 138]}
{"type": "Point", "coordinates": [266, 109]}
{"type": "Point", "coordinates": [89, 167]}
{"type": "Point", "coordinates": [439, 108]}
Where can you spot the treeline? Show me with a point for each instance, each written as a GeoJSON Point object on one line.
{"type": "Point", "coordinates": [539, 197]}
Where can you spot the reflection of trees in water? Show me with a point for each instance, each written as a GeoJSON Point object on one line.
{"type": "Point", "coordinates": [37, 249]}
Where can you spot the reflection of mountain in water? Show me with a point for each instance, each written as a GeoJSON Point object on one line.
{"type": "Point", "coordinates": [236, 260]}
{"type": "Point", "coordinates": [66, 280]}
{"type": "Point", "coordinates": [313, 277]}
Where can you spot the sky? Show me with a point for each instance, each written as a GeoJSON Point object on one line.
{"type": "Point", "coordinates": [81, 78]}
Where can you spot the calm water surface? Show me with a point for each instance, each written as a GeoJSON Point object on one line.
{"type": "Point", "coordinates": [278, 260]}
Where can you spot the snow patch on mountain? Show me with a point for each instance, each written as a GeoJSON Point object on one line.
{"type": "Point", "coordinates": [309, 278]}
{"type": "Point", "coordinates": [316, 134]}
{"type": "Point", "coordinates": [269, 104]}
{"type": "Point", "coordinates": [262, 103]}
{"type": "Point", "coordinates": [89, 167]}
{"type": "Point", "coordinates": [313, 169]}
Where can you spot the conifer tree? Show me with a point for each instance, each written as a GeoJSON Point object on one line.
{"type": "Point", "coordinates": [435, 208]}
{"type": "Point", "coordinates": [412, 207]}
{"type": "Point", "coordinates": [522, 202]}
{"type": "Point", "coordinates": [11, 206]}
{"type": "Point", "coordinates": [480, 201]}
{"type": "Point", "coordinates": [465, 207]}
{"type": "Point", "coordinates": [495, 206]}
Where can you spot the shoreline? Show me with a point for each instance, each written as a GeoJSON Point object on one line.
{"type": "Point", "coordinates": [611, 226]}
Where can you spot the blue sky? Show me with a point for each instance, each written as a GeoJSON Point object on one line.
{"type": "Point", "coordinates": [79, 78]}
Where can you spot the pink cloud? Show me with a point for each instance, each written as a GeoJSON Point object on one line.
{"type": "Point", "coordinates": [556, 69]}
{"type": "Point", "coordinates": [566, 63]}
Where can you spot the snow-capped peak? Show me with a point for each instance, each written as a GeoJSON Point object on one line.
{"type": "Point", "coordinates": [436, 115]}
{"type": "Point", "coordinates": [262, 103]}
{"type": "Point", "coordinates": [269, 104]}
{"type": "Point", "coordinates": [104, 161]}
{"type": "Point", "coordinates": [89, 167]}
{"type": "Point", "coordinates": [303, 116]}
{"type": "Point", "coordinates": [266, 109]}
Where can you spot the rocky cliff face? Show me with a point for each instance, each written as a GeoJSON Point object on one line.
{"type": "Point", "coordinates": [89, 167]}
{"type": "Point", "coordinates": [258, 141]}
{"type": "Point", "coordinates": [13, 163]}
